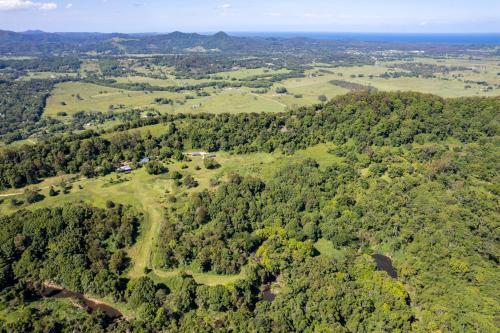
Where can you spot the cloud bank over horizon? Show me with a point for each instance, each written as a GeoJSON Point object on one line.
{"type": "Point", "coordinates": [258, 15]}
{"type": "Point", "coordinates": [12, 5]}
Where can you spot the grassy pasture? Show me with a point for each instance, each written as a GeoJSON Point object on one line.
{"type": "Point", "coordinates": [93, 97]}
{"type": "Point", "coordinates": [89, 66]}
{"type": "Point", "coordinates": [144, 79]}
{"type": "Point", "coordinates": [249, 72]}
{"type": "Point", "coordinates": [446, 86]}
{"type": "Point", "coordinates": [301, 91]}
{"type": "Point", "coordinates": [47, 75]}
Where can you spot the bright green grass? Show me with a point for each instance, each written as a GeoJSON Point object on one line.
{"type": "Point", "coordinates": [452, 85]}
{"type": "Point", "coordinates": [316, 83]}
{"type": "Point", "coordinates": [327, 249]}
{"type": "Point", "coordinates": [155, 130]}
{"type": "Point", "coordinates": [310, 89]}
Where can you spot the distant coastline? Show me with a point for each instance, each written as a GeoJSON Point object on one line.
{"type": "Point", "coordinates": [448, 38]}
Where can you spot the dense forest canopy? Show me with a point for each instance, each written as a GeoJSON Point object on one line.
{"type": "Point", "coordinates": [415, 175]}
{"type": "Point", "coordinates": [212, 183]}
{"type": "Point", "coordinates": [392, 119]}
{"type": "Point", "coordinates": [433, 204]}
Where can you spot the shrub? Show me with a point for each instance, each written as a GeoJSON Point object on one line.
{"type": "Point", "coordinates": [211, 164]}
{"type": "Point", "coordinates": [33, 196]}
{"type": "Point", "coordinates": [156, 168]}
{"type": "Point", "coordinates": [281, 90]}
{"type": "Point", "coordinates": [190, 182]}
{"type": "Point", "coordinates": [53, 192]}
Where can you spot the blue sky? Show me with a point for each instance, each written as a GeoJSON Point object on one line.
{"type": "Point", "coordinates": [252, 15]}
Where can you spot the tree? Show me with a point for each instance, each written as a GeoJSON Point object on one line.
{"type": "Point", "coordinates": [210, 163]}
{"type": "Point", "coordinates": [33, 196]}
{"type": "Point", "coordinates": [118, 262]}
{"type": "Point", "coordinates": [281, 90]}
{"type": "Point", "coordinates": [140, 291]}
{"type": "Point", "coordinates": [156, 168]}
{"type": "Point", "coordinates": [87, 170]}
{"type": "Point", "coordinates": [53, 192]}
{"type": "Point", "coordinates": [322, 98]}
{"type": "Point", "coordinates": [190, 182]}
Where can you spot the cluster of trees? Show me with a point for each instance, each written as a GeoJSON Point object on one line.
{"type": "Point", "coordinates": [156, 168]}
{"type": "Point", "coordinates": [135, 86]}
{"type": "Point", "coordinates": [42, 64]}
{"type": "Point", "coordinates": [22, 104]}
{"type": "Point", "coordinates": [392, 119]}
{"type": "Point", "coordinates": [361, 300]}
{"type": "Point", "coordinates": [431, 206]}
{"type": "Point", "coordinates": [112, 67]}
{"type": "Point", "coordinates": [76, 246]}
{"type": "Point", "coordinates": [214, 229]}
{"type": "Point", "coordinates": [428, 70]}
{"type": "Point", "coordinates": [351, 85]}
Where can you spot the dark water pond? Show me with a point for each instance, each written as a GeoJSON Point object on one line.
{"type": "Point", "coordinates": [51, 292]}
{"type": "Point", "coordinates": [267, 294]}
{"type": "Point", "coordinates": [385, 264]}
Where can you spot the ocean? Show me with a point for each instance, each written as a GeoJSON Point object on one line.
{"type": "Point", "coordinates": [451, 38]}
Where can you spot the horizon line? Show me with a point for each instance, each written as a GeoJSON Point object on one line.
{"type": "Point", "coordinates": [271, 32]}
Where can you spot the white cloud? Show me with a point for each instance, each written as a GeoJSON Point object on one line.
{"type": "Point", "coordinates": [225, 6]}
{"type": "Point", "coordinates": [25, 4]}
{"type": "Point", "coordinates": [69, 5]}
{"type": "Point", "coordinates": [318, 15]}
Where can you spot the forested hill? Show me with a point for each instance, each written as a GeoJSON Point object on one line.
{"type": "Point", "coordinates": [412, 176]}
{"type": "Point", "coordinates": [381, 119]}
{"type": "Point", "coordinates": [39, 42]}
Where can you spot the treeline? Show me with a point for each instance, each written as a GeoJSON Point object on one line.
{"type": "Point", "coordinates": [42, 64]}
{"type": "Point", "coordinates": [351, 85]}
{"type": "Point", "coordinates": [22, 104]}
{"type": "Point", "coordinates": [135, 86]}
{"type": "Point", "coordinates": [392, 119]}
